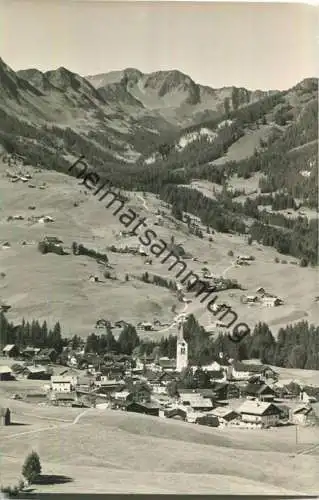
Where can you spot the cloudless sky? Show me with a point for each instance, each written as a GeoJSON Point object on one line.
{"type": "Point", "coordinates": [256, 45]}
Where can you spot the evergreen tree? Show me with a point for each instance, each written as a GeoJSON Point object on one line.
{"type": "Point", "coordinates": [32, 467]}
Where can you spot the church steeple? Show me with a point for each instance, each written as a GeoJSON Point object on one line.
{"type": "Point", "coordinates": [181, 349]}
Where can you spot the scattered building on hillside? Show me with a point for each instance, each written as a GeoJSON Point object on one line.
{"type": "Point", "coordinates": [260, 414]}
{"type": "Point", "coordinates": [11, 351]}
{"type": "Point", "coordinates": [272, 301]}
{"type": "Point", "coordinates": [5, 416]}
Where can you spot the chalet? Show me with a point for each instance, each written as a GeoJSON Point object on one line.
{"type": "Point", "coordinates": [147, 326]}
{"type": "Point", "coordinates": [30, 352]}
{"type": "Point", "coordinates": [176, 414]}
{"type": "Point", "coordinates": [11, 351]}
{"type": "Point", "coordinates": [224, 390]}
{"type": "Point", "coordinates": [251, 299]}
{"type": "Point", "coordinates": [160, 381]}
{"type": "Point", "coordinates": [259, 391]}
{"type": "Point", "coordinates": [260, 414]}
{"type": "Point", "coordinates": [145, 408]}
{"type": "Point", "coordinates": [196, 402]}
{"type": "Point", "coordinates": [216, 375]}
{"type": "Point", "coordinates": [207, 394]}
{"type": "Point", "coordinates": [61, 399]}
{"type": "Point", "coordinates": [63, 383]}
{"type": "Point", "coordinates": [306, 397]}
{"type": "Point", "coordinates": [6, 373]}
{"type": "Point", "coordinates": [3, 306]}
{"type": "Point", "coordinates": [304, 415]}
{"type": "Point", "coordinates": [46, 356]}
{"type": "Point", "coordinates": [167, 364]}
{"type": "Point", "coordinates": [224, 415]}
{"type": "Point", "coordinates": [208, 419]}
{"type": "Point", "coordinates": [271, 301]}
{"type": "Point", "coordinates": [106, 385]}
{"type": "Point", "coordinates": [5, 416]}
{"type": "Point", "coordinates": [35, 372]}
{"type": "Point", "coordinates": [242, 371]}
{"type": "Point", "coordinates": [120, 396]}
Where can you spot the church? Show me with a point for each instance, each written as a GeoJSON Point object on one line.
{"type": "Point", "coordinates": [181, 350]}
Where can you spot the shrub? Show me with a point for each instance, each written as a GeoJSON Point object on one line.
{"type": "Point", "coordinates": [230, 253]}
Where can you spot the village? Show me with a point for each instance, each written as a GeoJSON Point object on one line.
{"type": "Point", "coordinates": [236, 394]}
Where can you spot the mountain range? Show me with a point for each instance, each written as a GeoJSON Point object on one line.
{"type": "Point", "coordinates": [129, 112]}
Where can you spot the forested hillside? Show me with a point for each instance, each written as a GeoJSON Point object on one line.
{"type": "Point", "coordinates": [138, 147]}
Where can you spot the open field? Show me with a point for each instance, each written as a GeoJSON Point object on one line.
{"type": "Point", "coordinates": [56, 287]}
{"type": "Point", "coordinates": [108, 451]}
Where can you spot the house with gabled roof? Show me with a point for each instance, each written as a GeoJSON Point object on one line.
{"type": "Point", "coordinates": [11, 351]}
{"type": "Point", "coordinates": [224, 414]}
{"type": "Point", "coordinates": [6, 373]}
{"type": "Point", "coordinates": [259, 391]}
{"type": "Point", "coordinates": [243, 371]}
{"type": "Point", "coordinates": [258, 413]}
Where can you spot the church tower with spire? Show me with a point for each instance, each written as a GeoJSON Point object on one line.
{"type": "Point", "coordinates": [181, 350]}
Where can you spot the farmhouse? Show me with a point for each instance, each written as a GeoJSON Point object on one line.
{"type": "Point", "coordinates": [242, 371]}
{"type": "Point", "coordinates": [196, 402]}
{"type": "Point", "coordinates": [259, 391]}
{"type": "Point", "coordinates": [10, 351]}
{"type": "Point", "coordinates": [260, 414]}
{"type": "Point", "coordinates": [5, 416]}
{"type": "Point", "coordinates": [146, 408]}
{"type": "Point", "coordinates": [176, 414]}
{"type": "Point", "coordinates": [6, 373]}
{"type": "Point", "coordinates": [208, 419]}
{"type": "Point", "coordinates": [36, 373]}
{"type": "Point", "coordinates": [224, 415]}
{"type": "Point", "coordinates": [303, 415]}
{"type": "Point", "coordinates": [63, 383]}
{"type": "Point", "coordinates": [271, 301]}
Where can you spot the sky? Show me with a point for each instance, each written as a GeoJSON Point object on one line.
{"type": "Point", "coordinates": [254, 45]}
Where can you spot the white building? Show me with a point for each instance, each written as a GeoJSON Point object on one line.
{"type": "Point", "coordinates": [63, 383]}
{"type": "Point", "coordinates": [181, 350]}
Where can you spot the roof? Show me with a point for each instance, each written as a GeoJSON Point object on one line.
{"type": "Point", "coordinates": [5, 369]}
{"type": "Point", "coordinates": [167, 363]}
{"type": "Point", "coordinates": [61, 379]}
{"type": "Point", "coordinates": [242, 367]}
{"type": "Point", "coordinates": [222, 412]}
{"type": "Point", "coordinates": [257, 388]}
{"type": "Point", "coordinates": [8, 347]}
{"type": "Point", "coordinates": [303, 409]}
{"type": "Point", "coordinates": [255, 407]}
{"type": "Point", "coordinates": [35, 369]}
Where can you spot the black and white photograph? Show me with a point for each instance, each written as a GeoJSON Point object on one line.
{"type": "Point", "coordinates": [159, 286]}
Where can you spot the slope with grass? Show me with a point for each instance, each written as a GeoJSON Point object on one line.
{"type": "Point", "coordinates": [116, 452]}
